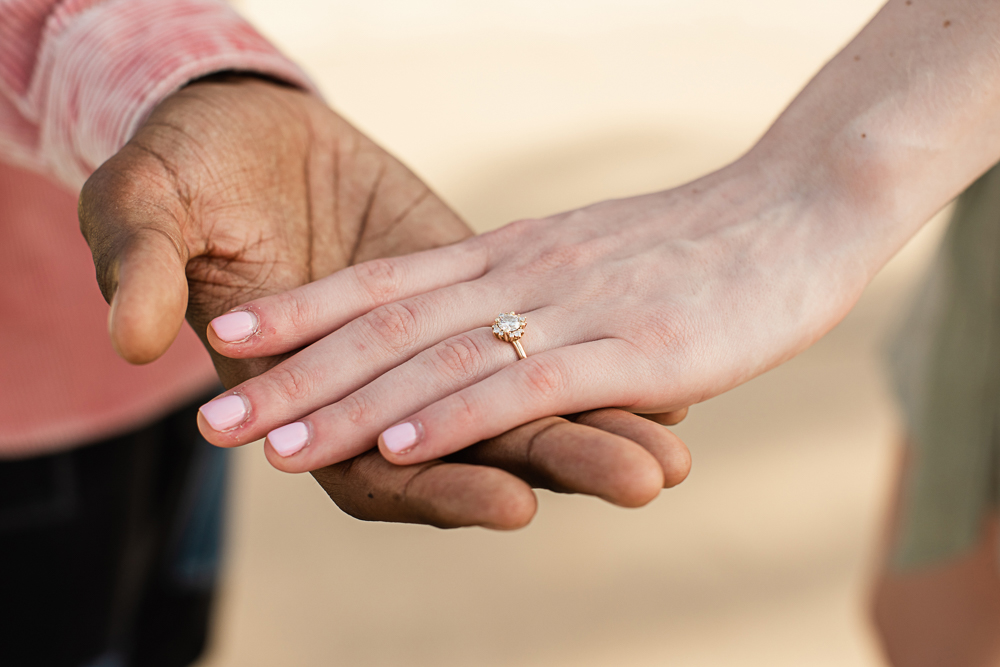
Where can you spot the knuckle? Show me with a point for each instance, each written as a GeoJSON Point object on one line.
{"type": "Point", "coordinates": [521, 227]}
{"type": "Point", "coordinates": [512, 232]}
{"type": "Point", "coordinates": [292, 383]}
{"type": "Point", "coordinates": [565, 257]}
{"type": "Point", "coordinates": [460, 357]}
{"type": "Point", "coordinates": [105, 236]}
{"type": "Point", "coordinates": [664, 334]}
{"type": "Point", "coordinates": [89, 203]}
{"type": "Point", "coordinates": [394, 325]}
{"type": "Point", "coordinates": [106, 186]}
{"type": "Point", "coordinates": [359, 409]}
{"type": "Point", "coordinates": [544, 377]}
{"type": "Point", "coordinates": [380, 279]}
{"type": "Point", "coordinates": [300, 315]}
{"type": "Point", "coordinates": [515, 228]}
{"type": "Point", "coordinates": [463, 410]}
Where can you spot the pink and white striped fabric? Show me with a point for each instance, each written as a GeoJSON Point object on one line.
{"type": "Point", "coordinates": [77, 78]}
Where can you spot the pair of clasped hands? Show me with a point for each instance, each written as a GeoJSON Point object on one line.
{"type": "Point", "coordinates": [348, 311]}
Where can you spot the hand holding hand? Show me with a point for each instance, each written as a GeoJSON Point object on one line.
{"type": "Point", "coordinates": [651, 303]}
{"type": "Point", "coordinates": [238, 189]}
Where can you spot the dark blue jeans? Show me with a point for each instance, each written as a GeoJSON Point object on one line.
{"type": "Point", "coordinates": [109, 552]}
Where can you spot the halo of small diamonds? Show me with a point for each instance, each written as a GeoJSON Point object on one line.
{"type": "Point", "coordinates": [509, 327]}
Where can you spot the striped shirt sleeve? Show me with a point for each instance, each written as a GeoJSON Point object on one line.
{"type": "Point", "coordinates": [78, 77]}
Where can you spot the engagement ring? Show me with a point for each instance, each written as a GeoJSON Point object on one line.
{"type": "Point", "coordinates": [509, 327]}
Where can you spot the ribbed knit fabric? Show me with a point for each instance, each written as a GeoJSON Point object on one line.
{"type": "Point", "coordinates": [77, 78]}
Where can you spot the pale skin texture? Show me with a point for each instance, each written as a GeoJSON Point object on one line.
{"type": "Point", "coordinates": [740, 271]}
{"type": "Point", "coordinates": [660, 301]}
{"type": "Point", "coordinates": [192, 217]}
{"type": "Point", "coordinates": [650, 303]}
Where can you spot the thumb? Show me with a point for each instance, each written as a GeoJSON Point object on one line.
{"type": "Point", "coordinates": [148, 305]}
{"type": "Point", "coordinates": [140, 257]}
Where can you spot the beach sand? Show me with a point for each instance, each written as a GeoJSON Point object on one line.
{"type": "Point", "coordinates": [761, 557]}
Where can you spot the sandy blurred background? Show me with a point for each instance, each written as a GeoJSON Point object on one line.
{"type": "Point", "coordinates": [524, 108]}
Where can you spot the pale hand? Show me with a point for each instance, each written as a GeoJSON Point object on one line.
{"type": "Point", "coordinates": [650, 304]}
{"type": "Point", "coordinates": [238, 189]}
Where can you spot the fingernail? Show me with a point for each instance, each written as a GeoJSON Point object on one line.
{"type": "Point", "coordinates": [236, 326]}
{"type": "Point", "coordinates": [289, 439]}
{"type": "Point", "coordinates": [224, 413]}
{"type": "Point", "coordinates": [401, 437]}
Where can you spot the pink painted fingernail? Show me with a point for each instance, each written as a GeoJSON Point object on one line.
{"type": "Point", "coordinates": [401, 437]}
{"type": "Point", "coordinates": [289, 439]}
{"type": "Point", "coordinates": [236, 326]}
{"type": "Point", "coordinates": [223, 414]}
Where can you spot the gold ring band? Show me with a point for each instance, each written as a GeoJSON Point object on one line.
{"type": "Point", "coordinates": [509, 327]}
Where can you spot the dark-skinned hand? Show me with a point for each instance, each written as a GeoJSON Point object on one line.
{"type": "Point", "coordinates": [237, 188]}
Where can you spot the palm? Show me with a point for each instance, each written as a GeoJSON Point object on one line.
{"type": "Point", "coordinates": [261, 205]}
{"type": "Point", "coordinates": [236, 190]}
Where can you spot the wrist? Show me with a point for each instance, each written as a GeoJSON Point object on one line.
{"type": "Point", "coordinates": [780, 213]}
{"type": "Point", "coordinates": [897, 124]}
{"type": "Point", "coordinates": [857, 195]}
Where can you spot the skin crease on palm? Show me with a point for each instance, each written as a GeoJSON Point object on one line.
{"type": "Point", "coordinates": [237, 188]}
{"type": "Point", "coordinates": [654, 302]}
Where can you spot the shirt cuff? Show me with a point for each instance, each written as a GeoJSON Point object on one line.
{"type": "Point", "coordinates": [116, 61]}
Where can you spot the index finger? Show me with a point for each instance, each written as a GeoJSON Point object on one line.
{"type": "Point", "coordinates": [609, 453]}
{"type": "Point", "coordinates": [445, 495]}
{"type": "Point", "coordinates": [284, 322]}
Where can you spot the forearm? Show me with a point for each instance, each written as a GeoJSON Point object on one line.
{"type": "Point", "coordinates": [896, 125]}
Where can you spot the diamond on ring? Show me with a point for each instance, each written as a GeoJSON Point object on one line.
{"type": "Point", "coordinates": [509, 327]}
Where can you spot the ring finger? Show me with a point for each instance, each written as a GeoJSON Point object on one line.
{"type": "Point", "coordinates": [352, 425]}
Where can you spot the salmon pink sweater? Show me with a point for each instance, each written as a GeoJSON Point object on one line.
{"type": "Point", "coordinates": [77, 78]}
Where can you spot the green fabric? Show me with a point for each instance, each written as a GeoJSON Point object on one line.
{"type": "Point", "coordinates": [946, 368]}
